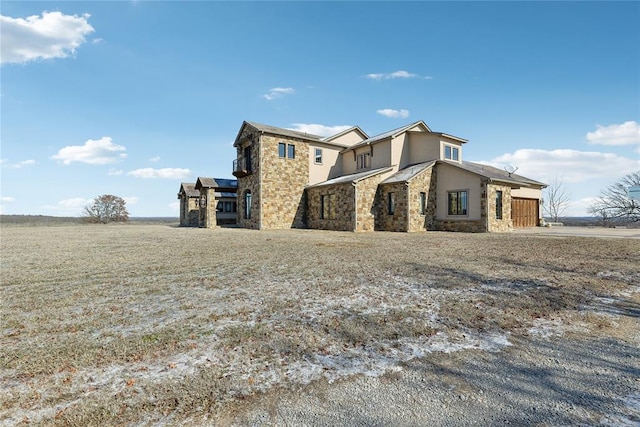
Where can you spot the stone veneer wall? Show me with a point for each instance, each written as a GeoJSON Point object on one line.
{"type": "Point", "coordinates": [367, 206]}
{"type": "Point", "coordinates": [208, 213]}
{"type": "Point", "coordinates": [282, 183]}
{"type": "Point", "coordinates": [252, 183]}
{"type": "Point", "coordinates": [344, 207]}
{"type": "Point", "coordinates": [426, 182]}
{"type": "Point", "coordinates": [189, 211]}
{"type": "Point", "coordinates": [467, 226]}
{"type": "Point", "coordinates": [494, 224]}
{"type": "Point", "coordinates": [398, 221]}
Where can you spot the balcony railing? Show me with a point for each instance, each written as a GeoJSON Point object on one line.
{"type": "Point", "coordinates": [241, 168]}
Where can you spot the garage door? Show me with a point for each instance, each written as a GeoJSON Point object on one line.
{"type": "Point", "coordinates": [524, 212]}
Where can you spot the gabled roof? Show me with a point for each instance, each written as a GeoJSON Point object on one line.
{"type": "Point", "coordinates": [273, 130]}
{"type": "Point", "coordinates": [495, 174]}
{"type": "Point", "coordinates": [353, 178]}
{"type": "Point", "coordinates": [408, 173]}
{"type": "Point", "coordinates": [344, 132]}
{"type": "Point", "coordinates": [203, 182]}
{"type": "Point", "coordinates": [188, 189]}
{"type": "Point", "coordinates": [390, 134]}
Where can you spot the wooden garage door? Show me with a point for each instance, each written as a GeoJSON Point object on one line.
{"type": "Point", "coordinates": [524, 212]}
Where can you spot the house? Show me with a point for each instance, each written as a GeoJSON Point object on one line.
{"type": "Point", "coordinates": [407, 179]}
{"type": "Point", "coordinates": [208, 203]}
{"type": "Point", "coordinates": [189, 205]}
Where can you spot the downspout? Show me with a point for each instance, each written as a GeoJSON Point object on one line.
{"type": "Point", "coordinates": [355, 206]}
{"type": "Point", "coordinates": [486, 207]}
{"type": "Point", "coordinates": [408, 206]}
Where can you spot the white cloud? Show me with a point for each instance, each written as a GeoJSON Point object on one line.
{"type": "Point", "coordinates": [154, 159]}
{"type": "Point", "coordinates": [278, 92]}
{"type": "Point", "coordinates": [7, 199]}
{"type": "Point", "coordinates": [52, 35]}
{"type": "Point", "coordinates": [625, 134]}
{"type": "Point", "coordinates": [174, 206]}
{"type": "Point", "coordinates": [18, 165]}
{"type": "Point", "coordinates": [388, 112]}
{"type": "Point", "coordinates": [319, 130]}
{"type": "Point", "coordinates": [572, 165]}
{"type": "Point", "coordinates": [100, 152]}
{"type": "Point", "coordinates": [69, 207]}
{"type": "Point", "coordinates": [395, 75]}
{"type": "Point", "coordinates": [131, 200]}
{"type": "Point", "coordinates": [115, 172]}
{"type": "Point", "coordinates": [165, 173]}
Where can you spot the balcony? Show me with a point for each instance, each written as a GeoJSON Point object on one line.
{"type": "Point", "coordinates": [241, 168]}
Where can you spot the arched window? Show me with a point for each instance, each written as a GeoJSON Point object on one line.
{"type": "Point", "coordinates": [247, 204]}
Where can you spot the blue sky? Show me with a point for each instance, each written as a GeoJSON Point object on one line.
{"type": "Point", "coordinates": [133, 97]}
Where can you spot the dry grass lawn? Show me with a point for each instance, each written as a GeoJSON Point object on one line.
{"type": "Point", "coordinates": [147, 324]}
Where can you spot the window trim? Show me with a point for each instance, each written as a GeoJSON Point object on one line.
{"type": "Point", "coordinates": [363, 161]}
{"type": "Point", "coordinates": [327, 206]}
{"type": "Point", "coordinates": [454, 152]}
{"type": "Point", "coordinates": [291, 151]}
{"type": "Point", "coordinates": [282, 150]}
{"type": "Point", "coordinates": [318, 155]}
{"type": "Point", "coordinates": [462, 203]}
{"type": "Point", "coordinates": [247, 204]}
{"type": "Point", "coordinates": [391, 203]}
{"type": "Point", "coordinates": [423, 203]}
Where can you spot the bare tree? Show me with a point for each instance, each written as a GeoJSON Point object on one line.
{"type": "Point", "coordinates": [556, 200]}
{"type": "Point", "coordinates": [614, 203]}
{"type": "Point", "coordinates": [105, 209]}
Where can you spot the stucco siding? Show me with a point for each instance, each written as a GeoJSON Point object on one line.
{"type": "Point", "coordinates": [451, 179]}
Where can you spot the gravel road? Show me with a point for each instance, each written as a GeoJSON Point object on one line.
{"type": "Point", "coordinates": [554, 382]}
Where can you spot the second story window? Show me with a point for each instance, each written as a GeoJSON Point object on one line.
{"type": "Point", "coordinates": [318, 156]}
{"type": "Point", "coordinates": [282, 148]}
{"type": "Point", "coordinates": [451, 153]}
{"type": "Point", "coordinates": [364, 161]}
{"type": "Point", "coordinates": [291, 151]}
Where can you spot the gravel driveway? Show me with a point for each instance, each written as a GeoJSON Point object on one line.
{"type": "Point", "coordinates": [535, 382]}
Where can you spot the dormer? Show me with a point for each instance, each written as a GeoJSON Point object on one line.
{"type": "Point", "coordinates": [450, 147]}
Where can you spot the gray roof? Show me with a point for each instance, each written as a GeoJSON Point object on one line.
{"type": "Point", "coordinates": [203, 182]}
{"type": "Point", "coordinates": [188, 189]}
{"type": "Point", "coordinates": [496, 174]}
{"type": "Point", "coordinates": [355, 177]}
{"type": "Point", "coordinates": [226, 194]}
{"type": "Point", "coordinates": [284, 132]}
{"type": "Point", "coordinates": [388, 134]}
{"type": "Point", "coordinates": [408, 173]}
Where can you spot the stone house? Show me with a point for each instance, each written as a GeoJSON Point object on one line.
{"type": "Point", "coordinates": [407, 179]}
{"type": "Point", "coordinates": [189, 205]}
{"type": "Point", "coordinates": [208, 203]}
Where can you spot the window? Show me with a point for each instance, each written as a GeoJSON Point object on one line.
{"type": "Point", "coordinates": [327, 206]}
{"type": "Point", "coordinates": [291, 151]}
{"type": "Point", "coordinates": [282, 147]}
{"type": "Point", "coordinates": [364, 161]}
{"type": "Point", "coordinates": [498, 204]}
{"type": "Point", "coordinates": [457, 203]}
{"type": "Point", "coordinates": [423, 203]}
{"type": "Point", "coordinates": [391, 203]}
{"type": "Point", "coordinates": [318, 157]}
{"type": "Point", "coordinates": [247, 158]}
{"type": "Point", "coordinates": [247, 204]}
{"type": "Point", "coordinates": [451, 153]}
{"type": "Point", "coordinates": [229, 207]}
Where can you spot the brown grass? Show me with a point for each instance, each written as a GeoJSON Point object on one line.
{"type": "Point", "coordinates": [120, 324]}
